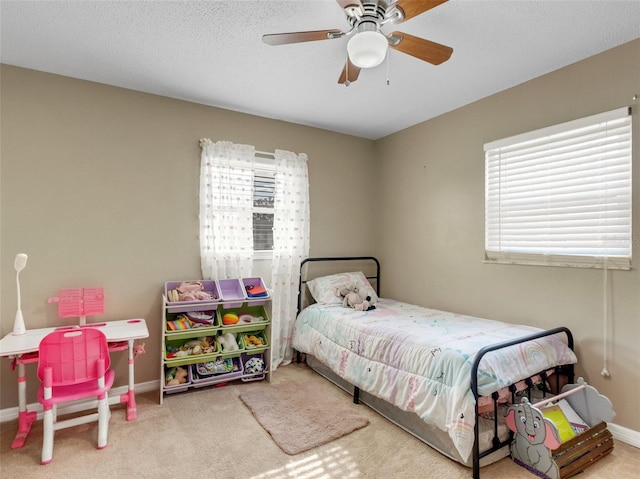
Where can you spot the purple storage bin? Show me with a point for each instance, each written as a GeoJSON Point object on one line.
{"type": "Point", "coordinates": [248, 284]}
{"type": "Point", "coordinates": [232, 292]}
{"type": "Point", "coordinates": [201, 380]}
{"type": "Point", "coordinates": [210, 286]}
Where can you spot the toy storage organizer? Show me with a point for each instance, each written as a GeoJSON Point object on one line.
{"type": "Point", "coordinates": [214, 365]}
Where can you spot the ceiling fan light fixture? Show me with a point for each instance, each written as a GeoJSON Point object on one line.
{"type": "Point", "coordinates": [367, 49]}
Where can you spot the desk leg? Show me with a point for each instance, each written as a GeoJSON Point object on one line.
{"type": "Point", "coordinates": [130, 396]}
{"type": "Point", "coordinates": [25, 418]}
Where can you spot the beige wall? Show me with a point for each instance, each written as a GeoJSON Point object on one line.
{"type": "Point", "coordinates": [431, 203]}
{"type": "Point", "coordinates": [100, 188]}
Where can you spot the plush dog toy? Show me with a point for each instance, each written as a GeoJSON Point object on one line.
{"type": "Point", "coordinates": [352, 298]}
{"type": "Point", "coordinates": [176, 376]}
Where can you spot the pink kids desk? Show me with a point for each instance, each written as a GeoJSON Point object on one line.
{"type": "Point", "coordinates": [23, 349]}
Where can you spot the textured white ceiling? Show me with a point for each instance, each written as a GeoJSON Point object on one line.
{"type": "Point", "coordinates": [211, 52]}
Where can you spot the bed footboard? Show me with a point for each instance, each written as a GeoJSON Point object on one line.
{"type": "Point", "coordinates": [568, 370]}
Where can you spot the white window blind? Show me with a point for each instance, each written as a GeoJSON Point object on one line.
{"type": "Point", "coordinates": [264, 192]}
{"type": "Point", "coordinates": [561, 195]}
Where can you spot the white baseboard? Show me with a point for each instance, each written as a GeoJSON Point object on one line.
{"type": "Point", "coordinates": [625, 435]}
{"type": "Point", "coordinates": [620, 433]}
{"type": "Point", "coordinates": [10, 414]}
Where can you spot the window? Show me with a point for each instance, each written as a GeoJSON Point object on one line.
{"type": "Point", "coordinates": [263, 203]}
{"type": "Point", "coordinates": [561, 195]}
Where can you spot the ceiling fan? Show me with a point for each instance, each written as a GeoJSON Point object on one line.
{"type": "Point", "coordinates": [368, 46]}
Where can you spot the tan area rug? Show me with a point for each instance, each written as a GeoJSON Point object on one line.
{"type": "Point", "coordinates": [300, 416]}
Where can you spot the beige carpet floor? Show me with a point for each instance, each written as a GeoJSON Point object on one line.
{"type": "Point", "coordinates": [209, 433]}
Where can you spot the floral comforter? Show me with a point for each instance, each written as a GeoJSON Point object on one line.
{"type": "Point", "coordinates": [420, 359]}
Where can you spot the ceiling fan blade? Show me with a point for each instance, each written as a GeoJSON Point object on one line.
{"type": "Point", "coordinates": [413, 8]}
{"type": "Point", "coordinates": [420, 48]}
{"type": "Point", "coordinates": [353, 70]}
{"type": "Point", "coordinates": [297, 37]}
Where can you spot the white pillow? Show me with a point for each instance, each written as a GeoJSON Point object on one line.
{"type": "Point", "coordinates": [323, 288]}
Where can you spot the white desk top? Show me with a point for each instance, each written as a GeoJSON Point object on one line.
{"type": "Point", "coordinates": [121, 330]}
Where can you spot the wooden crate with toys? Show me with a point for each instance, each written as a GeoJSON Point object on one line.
{"type": "Point", "coordinates": [563, 435]}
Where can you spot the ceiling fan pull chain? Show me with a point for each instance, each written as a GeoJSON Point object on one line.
{"type": "Point", "coordinates": [388, 55]}
{"type": "Point", "coordinates": [346, 78]}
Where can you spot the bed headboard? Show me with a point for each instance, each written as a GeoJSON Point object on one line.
{"type": "Point", "coordinates": [311, 268]}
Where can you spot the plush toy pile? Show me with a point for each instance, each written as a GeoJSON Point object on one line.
{"type": "Point", "coordinates": [354, 298]}
{"type": "Point", "coordinates": [175, 376]}
{"type": "Point", "coordinates": [204, 345]}
{"type": "Point", "coordinates": [189, 291]}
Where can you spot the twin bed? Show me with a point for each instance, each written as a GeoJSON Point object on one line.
{"type": "Point", "coordinates": [445, 378]}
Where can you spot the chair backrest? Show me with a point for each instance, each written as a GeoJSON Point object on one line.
{"type": "Point", "coordinates": [74, 355]}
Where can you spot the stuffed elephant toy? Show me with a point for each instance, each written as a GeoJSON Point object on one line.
{"type": "Point", "coordinates": [534, 439]}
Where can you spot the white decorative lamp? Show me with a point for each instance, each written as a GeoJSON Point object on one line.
{"type": "Point", "coordinates": [18, 324]}
{"type": "Point", "coordinates": [367, 48]}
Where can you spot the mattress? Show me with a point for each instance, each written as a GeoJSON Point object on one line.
{"type": "Point", "coordinates": [420, 359]}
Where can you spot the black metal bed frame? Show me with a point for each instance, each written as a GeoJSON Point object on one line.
{"type": "Point", "coordinates": [566, 370]}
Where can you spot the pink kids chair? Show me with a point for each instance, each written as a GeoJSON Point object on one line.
{"type": "Point", "coordinates": [73, 364]}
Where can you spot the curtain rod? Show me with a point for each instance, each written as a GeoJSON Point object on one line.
{"type": "Point", "coordinates": [265, 153]}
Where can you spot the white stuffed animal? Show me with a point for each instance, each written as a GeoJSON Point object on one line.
{"type": "Point", "coordinates": [352, 298]}
{"type": "Point", "coordinates": [228, 342]}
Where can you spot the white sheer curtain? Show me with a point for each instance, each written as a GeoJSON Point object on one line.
{"type": "Point", "coordinates": [290, 247]}
{"type": "Point", "coordinates": [226, 209]}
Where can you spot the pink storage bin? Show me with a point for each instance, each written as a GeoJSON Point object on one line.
{"type": "Point", "coordinates": [232, 292]}
{"type": "Point", "coordinates": [210, 286]}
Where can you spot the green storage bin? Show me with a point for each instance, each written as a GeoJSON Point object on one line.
{"type": "Point", "coordinates": [255, 311]}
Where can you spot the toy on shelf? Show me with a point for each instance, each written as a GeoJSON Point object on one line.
{"type": "Point", "coordinates": [230, 318]}
{"type": "Point", "coordinates": [255, 291]}
{"type": "Point", "coordinates": [175, 376]}
{"type": "Point", "coordinates": [249, 318]}
{"type": "Point", "coordinates": [254, 365]}
{"type": "Point", "coordinates": [193, 347]}
{"type": "Point", "coordinates": [252, 341]}
{"type": "Point", "coordinates": [228, 342]}
{"type": "Point", "coordinates": [219, 366]}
